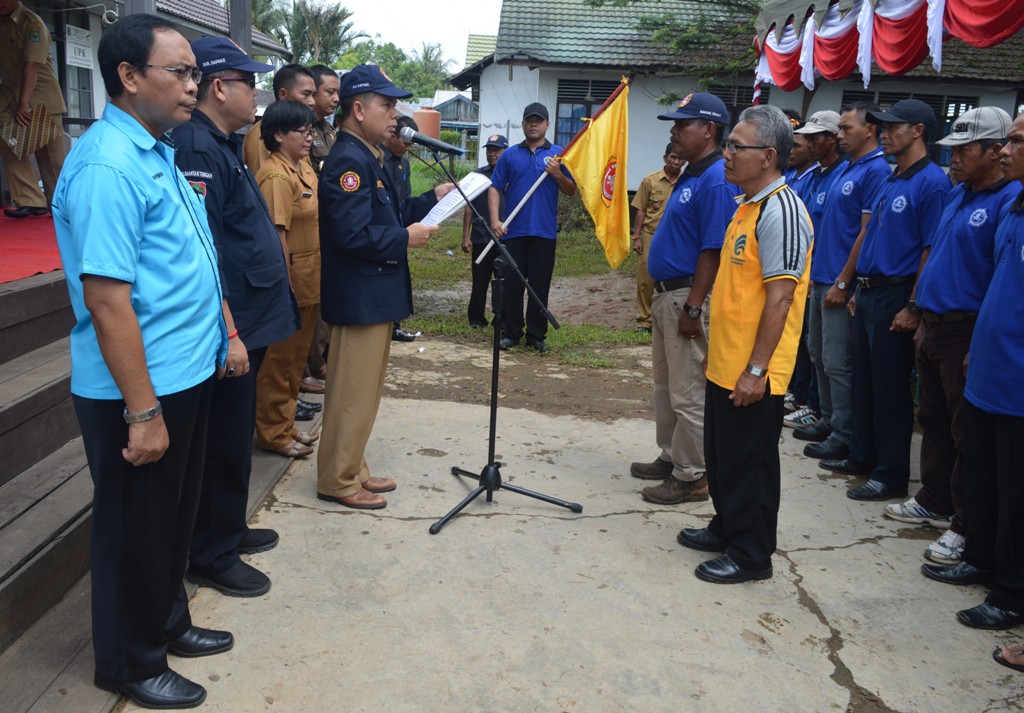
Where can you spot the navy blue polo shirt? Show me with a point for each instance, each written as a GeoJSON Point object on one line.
{"type": "Point", "coordinates": [907, 208]}
{"type": "Point", "coordinates": [848, 198]}
{"type": "Point", "coordinates": [696, 216]}
{"type": "Point", "coordinates": [517, 169]}
{"type": "Point", "coordinates": [960, 265]}
{"type": "Point", "coordinates": [477, 235]}
{"type": "Point", "coordinates": [995, 370]}
{"type": "Point", "coordinates": [803, 183]}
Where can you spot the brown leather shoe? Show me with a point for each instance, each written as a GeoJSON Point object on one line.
{"type": "Point", "coordinates": [310, 385]}
{"type": "Point", "coordinates": [674, 491]}
{"type": "Point", "coordinates": [362, 500]}
{"type": "Point", "coordinates": [380, 485]}
{"type": "Point", "coordinates": [657, 470]}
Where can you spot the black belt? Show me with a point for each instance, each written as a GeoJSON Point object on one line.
{"type": "Point", "coordinates": [954, 316]}
{"type": "Point", "coordinates": [871, 281]}
{"type": "Point", "coordinates": [677, 283]}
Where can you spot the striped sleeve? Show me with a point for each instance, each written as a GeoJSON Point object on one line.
{"type": "Point", "coordinates": [783, 232]}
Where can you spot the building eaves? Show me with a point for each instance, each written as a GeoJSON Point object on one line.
{"type": "Point", "coordinates": [210, 15]}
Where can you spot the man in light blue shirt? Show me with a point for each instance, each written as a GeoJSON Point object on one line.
{"type": "Point", "coordinates": [149, 336]}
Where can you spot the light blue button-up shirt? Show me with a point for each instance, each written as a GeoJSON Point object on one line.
{"type": "Point", "coordinates": [122, 210]}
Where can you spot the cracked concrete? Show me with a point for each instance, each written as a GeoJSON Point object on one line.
{"type": "Point", "coordinates": [518, 605]}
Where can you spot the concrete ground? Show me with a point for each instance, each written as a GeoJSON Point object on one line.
{"type": "Point", "coordinates": [518, 605]}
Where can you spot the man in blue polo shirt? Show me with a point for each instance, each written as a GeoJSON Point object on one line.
{"type": "Point", "coordinates": [994, 426]}
{"type": "Point", "coordinates": [895, 245]}
{"type": "Point", "coordinates": [839, 212]}
{"type": "Point", "coordinates": [683, 261]}
{"type": "Point", "coordinates": [530, 237]}
{"type": "Point", "coordinates": [949, 294]}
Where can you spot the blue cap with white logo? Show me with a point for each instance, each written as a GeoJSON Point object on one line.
{"type": "Point", "coordinates": [370, 78]}
{"type": "Point", "coordinates": [699, 106]}
{"type": "Point", "coordinates": [214, 54]}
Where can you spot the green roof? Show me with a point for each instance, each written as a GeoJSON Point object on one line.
{"type": "Point", "coordinates": [568, 32]}
{"type": "Point", "coordinates": [479, 46]}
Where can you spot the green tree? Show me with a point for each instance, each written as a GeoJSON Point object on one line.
{"type": "Point", "coordinates": [269, 17]}
{"type": "Point", "coordinates": [320, 32]}
{"type": "Point", "coordinates": [423, 73]}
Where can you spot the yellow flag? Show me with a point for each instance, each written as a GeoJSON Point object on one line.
{"type": "Point", "coordinates": [596, 157]}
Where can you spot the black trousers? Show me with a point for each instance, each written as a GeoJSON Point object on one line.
{"type": "Point", "coordinates": [883, 407]}
{"type": "Point", "coordinates": [536, 260]}
{"type": "Point", "coordinates": [994, 501]}
{"type": "Point", "coordinates": [142, 520]}
{"type": "Point", "coordinates": [481, 279]}
{"type": "Point", "coordinates": [221, 522]}
{"type": "Point", "coordinates": [741, 451]}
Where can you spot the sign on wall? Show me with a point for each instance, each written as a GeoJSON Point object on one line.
{"type": "Point", "coordinates": [79, 47]}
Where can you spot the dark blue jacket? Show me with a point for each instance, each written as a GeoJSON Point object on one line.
{"type": "Point", "coordinates": [254, 276]}
{"type": "Point", "coordinates": [364, 277]}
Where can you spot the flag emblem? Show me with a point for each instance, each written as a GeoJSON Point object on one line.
{"type": "Point", "coordinates": [199, 187]}
{"type": "Point", "coordinates": [686, 100]}
{"type": "Point", "coordinates": [349, 181]}
{"type": "Point", "coordinates": [608, 183]}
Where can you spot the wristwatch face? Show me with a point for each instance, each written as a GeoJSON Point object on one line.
{"type": "Point", "coordinates": [840, 284]}
{"type": "Point", "coordinates": [692, 312]}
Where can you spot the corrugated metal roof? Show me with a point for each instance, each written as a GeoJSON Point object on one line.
{"type": "Point", "coordinates": [211, 15]}
{"type": "Point", "coordinates": [479, 46]}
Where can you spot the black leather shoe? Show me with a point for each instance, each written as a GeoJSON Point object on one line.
{"type": "Point", "coordinates": [258, 539]}
{"type": "Point", "coordinates": [507, 343]}
{"type": "Point", "coordinates": [989, 616]}
{"type": "Point", "coordinates": [539, 344]}
{"type": "Point", "coordinates": [874, 490]}
{"type": "Point", "coordinates": [959, 574]}
{"type": "Point", "coordinates": [238, 580]}
{"type": "Point", "coordinates": [198, 641]}
{"type": "Point", "coordinates": [167, 691]}
{"type": "Point", "coordinates": [844, 467]}
{"type": "Point", "coordinates": [302, 414]}
{"type": "Point", "coordinates": [823, 451]}
{"type": "Point", "coordinates": [722, 570]}
{"type": "Point", "coordinates": [400, 335]}
{"type": "Point", "coordinates": [25, 212]}
{"type": "Point", "coordinates": [701, 539]}
{"type": "Point", "coordinates": [314, 406]}
{"type": "Point", "coordinates": [816, 432]}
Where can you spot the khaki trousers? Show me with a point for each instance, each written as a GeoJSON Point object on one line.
{"type": "Point", "coordinates": [679, 386]}
{"type": "Point", "coordinates": [357, 364]}
{"type": "Point", "coordinates": [277, 384]}
{"type": "Point", "coordinates": [22, 179]}
{"type": "Point", "coordinates": [644, 284]}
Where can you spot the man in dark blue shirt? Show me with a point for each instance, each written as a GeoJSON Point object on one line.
{"type": "Point", "coordinates": [261, 310]}
{"type": "Point", "coordinates": [530, 237]}
{"type": "Point", "coordinates": [475, 238]}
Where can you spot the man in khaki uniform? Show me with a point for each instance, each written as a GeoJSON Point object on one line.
{"type": "Point", "coordinates": [26, 71]}
{"type": "Point", "coordinates": [649, 201]}
{"type": "Point", "coordinates": [293, 82]}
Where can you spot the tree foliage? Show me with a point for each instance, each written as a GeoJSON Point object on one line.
{"type": "Point", "coordinates": [321, 32]}
{"type": "Point", "coordinates": [422, 73]}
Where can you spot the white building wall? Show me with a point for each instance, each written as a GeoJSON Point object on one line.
{"type": "Point", "coordinates": [502, 99]}
{"type": "Point", "coordinates": [828, 95]}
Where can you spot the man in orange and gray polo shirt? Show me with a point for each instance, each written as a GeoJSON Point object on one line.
{"type": "Point", "coordinates": [757, 312]}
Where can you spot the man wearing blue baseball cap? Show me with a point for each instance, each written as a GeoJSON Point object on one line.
{"type": "Point", "coordinates": [683, 262]}
{"type": "Point", "coordinates": [365, 234]}
{"type": "Point", "coordinates": [259, 310]}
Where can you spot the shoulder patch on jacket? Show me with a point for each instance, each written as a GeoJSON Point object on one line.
{"type": "Point", "coordinates": [349, 181]}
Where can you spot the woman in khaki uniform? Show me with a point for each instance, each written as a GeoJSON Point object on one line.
{"type": "Point", "coordinates": [290, 188]}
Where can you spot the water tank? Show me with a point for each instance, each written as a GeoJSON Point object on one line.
{"type": "Point", "coordinates": [429, 121]}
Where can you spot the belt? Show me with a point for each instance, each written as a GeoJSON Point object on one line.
{"type": "Point", "coordinates": [954, 316]}
{"type": "Point", "coordinates": [870, 281]}
{"type": "Point", "coordinates": [677, 283]}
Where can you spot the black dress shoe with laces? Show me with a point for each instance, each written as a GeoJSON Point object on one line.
{"type": "Point", "coordinates": [816, 432]}
{"type": "Point", "coordinates": [258, 539]}
{"type": "Point", "coordinates": [824, 451]}
{"type": "Point", "coordinates": [723, 570]}
{"type": "Point", "coordinates": [960, 573]}
{"type": "Point", "coordinates": [313, 406]}
{"type": "Point", "coordinates": [25, 212]}
{"type": "Point", "coordinates": [701, 539]}
{"type": "Point", "coordinates": [844, 467]}
{"type": "Point", "coordinates": [167, 691]}
{"type": "Point", "coordinates": [989, 616]}
{"type": "Point", "coordinates": [198, 641]}
{"type": "Point", "coordinates": [302, 414]}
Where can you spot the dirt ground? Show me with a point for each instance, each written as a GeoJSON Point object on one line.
{"type": "Point", "coordinates": [426, 369]}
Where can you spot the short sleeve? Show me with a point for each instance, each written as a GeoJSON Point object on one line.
{"type": "Point", "coordinates": [37, 42]}
{"type": "Point", "coordinates": [277, 190]}
{"type": "Point", "coordinates": [717, 206]}
{"type": "Point", "coordinates": [643, 196]}
{"type": "Point", "coordinates": [929, 213]}
{"type": "Point", "coordinates": [783, 236]}
{"type": "Point", "coordinates": [499, 178]}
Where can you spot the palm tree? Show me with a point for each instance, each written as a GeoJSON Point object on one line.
{"type": "Point", "coordinates": [321, 32]}
{"type": "Point", "coordinates": [269, 17]}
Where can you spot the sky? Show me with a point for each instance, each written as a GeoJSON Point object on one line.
{"type": "Point", "coordinates": [410, 24]}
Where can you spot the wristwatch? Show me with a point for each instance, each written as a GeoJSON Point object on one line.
{"type": "Point", "coordinates": [757, 371]}
{"type": "Point", "coordinates": [147, 415]}
{"type": "Point", "coordinates": [693, 312]}
{"type": "Point", "coordinates": [841, 285]}
{"type": "Point", "coordinates": [912, 306]}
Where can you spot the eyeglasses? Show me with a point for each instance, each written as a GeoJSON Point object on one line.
{"type": "Point", "coordinates": [251, 80]}
{"type": "Point", "coordinates": [733, 148]}
{"type": "Point", "coordinates": [184, 73]}
{"type": "Point", "coordinates": [306, 133]}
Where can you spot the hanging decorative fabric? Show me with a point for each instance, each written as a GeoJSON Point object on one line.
{"type": "Point", "coordinates": [900, 35]}
{"type": "Point", "coordinates": [936, 34]}
{"type": "Point", "coordinates": [807, 54]}
{"type": "Point", "coordinates": [783, 58]}
{"type": "Point", "coordinates": [835, 43]}
{"type": "Point", "coordinates": [983, 23]}
{"type": "Point", "coordinates": [865, 40]}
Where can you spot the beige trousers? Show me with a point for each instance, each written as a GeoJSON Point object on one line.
{"type": "Point", "coordinates": [644, 284]}
{"type": "Point", "coordinates": [22, 179]}
{"type": "Point", "coordinates": [277, 384]}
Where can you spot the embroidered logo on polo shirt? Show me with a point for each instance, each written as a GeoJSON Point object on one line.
{"type": "Point", "coordinates": [740, 245]}
{"type": "Point", "coordinates": [978, 218]}
{"type": "Point", "coordinates": [848, 188]}
{"type": "Point", "coordinates": [199, 187]}
{"type": "Point", "coordinates": [821, 198]}
{"type": "Point", "coordinates": [349, 181]}
{"type": "Point", "coordinates": [899, 204]}
{"type": "Point", "coordinates": [685, 195]}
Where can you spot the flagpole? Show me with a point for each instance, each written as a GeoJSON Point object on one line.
{"type": "Point", "coordinates": [515, 211]}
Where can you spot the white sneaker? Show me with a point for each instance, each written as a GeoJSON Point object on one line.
{"type": "Point", "coordinates": [789, 403]}
{"type": "Point", "coordinates": [948, 549]}
{"type": "Point", "coordinates": [800, 418]}
{"type": "Point", "coordinates": [913, 513]}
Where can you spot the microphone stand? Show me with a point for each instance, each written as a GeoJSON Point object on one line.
{"type": "Point", "coordinates": [490, 477]}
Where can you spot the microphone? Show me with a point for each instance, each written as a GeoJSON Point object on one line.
{"type": "Point", "coordinates": [415, 137]}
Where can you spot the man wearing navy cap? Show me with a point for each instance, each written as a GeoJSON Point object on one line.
{"type": "Point", "coordinates": [260, 310]}
{"type": "Point", "coordinates": [895, 244]}
{"type": "Point", "coordinates": [475, 238]}
{"type": "Point", "coordinates": [530, 237]}
{"type": "Point", "coordinates": [365, 235]}
{"type": "Point", "coordinates": [682, 261]}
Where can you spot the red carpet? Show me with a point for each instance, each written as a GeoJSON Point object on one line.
{"type": "Point", "coordinates": [28, 246]}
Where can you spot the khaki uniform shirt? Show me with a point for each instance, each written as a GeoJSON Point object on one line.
{"type": "Point", "coordinates": [324, 136]}
{"type": "Point", "coordinates": [24, 38]}
{"type": "Point", "coordinates": [254, 151]}
{"type": "Point", "coordinates": [652, 197]}
{"type": "Point", "coordinates": [292, 199]}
